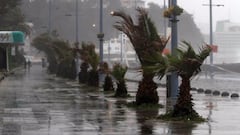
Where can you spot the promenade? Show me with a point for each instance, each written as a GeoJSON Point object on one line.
{"type": "Point", "coordinates": [33, 102]}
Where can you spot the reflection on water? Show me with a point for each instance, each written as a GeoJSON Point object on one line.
{"type": "Point", "coordinates": [180, 128]}
{"type": "Point", "coordinates": [58, 106]}
{"type": "Point", "coordinates": [144, 117]}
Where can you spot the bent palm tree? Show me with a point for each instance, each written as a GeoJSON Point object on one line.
{"type": "Point", "coordinates": [187, 63]}
{"type": "Point", "coordinates": [145, 41]}
{"type": "Point", "coordinates": [118, 73]}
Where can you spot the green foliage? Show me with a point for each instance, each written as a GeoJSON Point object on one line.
{"type": "Point", "coordinates": [187, 62]}
{"type": "Point", "coordinates": [7, 5]}
{"type": "Point", "coordinates": [108, 84]}
{"type": "Point", "coordinates": [83, 75]}
{"type": "Point", "coordinates": [119, 71]}
{"type": "Point", "coordinates": [173, 11]}
{"type": "Point", "coordinates": [12, 18]}
{"type": "Point", "coordinates": [145, 41]}
{"type": "Point", "coordinates": [89, 55]}
{"type": "Point", "coordinates": [157, 64]}
{"type": "Point", "coordinates": [143, 36]}
{"type": "Point", "coordinates": [193, 117]}
{"type": "Point", "coordinates": [59, 55]}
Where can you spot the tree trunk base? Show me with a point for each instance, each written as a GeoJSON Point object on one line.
{"type": "Point", "coordinates": [147, 93]}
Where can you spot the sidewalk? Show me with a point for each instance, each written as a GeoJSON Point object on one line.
{"type": "Point", "coordinates": [33, 102]}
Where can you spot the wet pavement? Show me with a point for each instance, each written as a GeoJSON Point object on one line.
{"type": "Point", "coordinates": [35, 103]}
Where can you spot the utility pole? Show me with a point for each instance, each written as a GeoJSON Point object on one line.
{"type": "Point", "coordinates": [211, 33]}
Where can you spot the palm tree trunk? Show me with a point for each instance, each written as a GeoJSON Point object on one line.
{"type": "Point", "coordinates": [184, 105]}
{"type": "Point", "coordinates": [121, 89]}
{"type": "Point", "coordinates": [147, 91]}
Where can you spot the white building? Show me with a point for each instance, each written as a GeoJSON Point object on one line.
{"type": "Point", "coordinates": [119, 50]}
{"type": "Point", "coordinates": [227, 38]}
{"type": "Point", "coordinates": [133, 3]}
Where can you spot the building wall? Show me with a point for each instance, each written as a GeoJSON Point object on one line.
{"type": "Point", "coordinates": [227, 38]}
{"type": "Point", "coordinates": [228, 47]}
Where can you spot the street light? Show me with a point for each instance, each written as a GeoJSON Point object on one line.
{"type": "Point", "coordinates": [77, 22]}
{"type": "Point", "coordinates": [100, 35]}
{"type": "Point", "coordinates": [174, 41]}
{"type": "Point", "coordinates": [49, 17]}
{"type": "Point", "coordinates": [211, 33]}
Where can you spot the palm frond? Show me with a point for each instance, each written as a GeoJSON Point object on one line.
{"type": "Point", "coordinates": [119, 72]}
{"type": "Point", "coordinates": [143, 35]}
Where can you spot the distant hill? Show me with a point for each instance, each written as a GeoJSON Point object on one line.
{"type": "Point", "coordinates": [63, 19]}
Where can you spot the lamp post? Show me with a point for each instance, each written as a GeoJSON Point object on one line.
{"type": "Point", "coordinates": [77, 22]}
{"type": "Point", "coordinates": [164, 21]}
{"type": "Point", "coordinates": [121, 47]}
{"type": "Point", "coordinates": [211, 33]}
{"type": "Point", "coordinates": [49, 17]}
{"type": "Point", "coordinates": [174, 41]}
{"type": "Point", "coordinates": [100, 35]}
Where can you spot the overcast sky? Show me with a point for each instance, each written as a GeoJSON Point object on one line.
{"type": "Point", "coordinates": [231, 9]}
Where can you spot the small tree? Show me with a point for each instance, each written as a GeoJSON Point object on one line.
{"type": "Point", "coordinates": [187, 63]}
{"type": "Point", "coordinates": [118, 73]}
{"type": "Point", "coordinates": [83, 74]}
{"type": "Point", "coordinates": [108, 83]}
{"type": "Point", "coordinates": [89, 56]}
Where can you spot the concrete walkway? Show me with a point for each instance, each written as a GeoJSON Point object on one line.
{"type": "Point", "coordinates": [35, 103]}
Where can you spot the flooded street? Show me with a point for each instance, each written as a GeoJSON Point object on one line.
{"type": "Point", "coordinates": [35, 103]}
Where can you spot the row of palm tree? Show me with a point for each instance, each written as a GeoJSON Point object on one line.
{"type": "Point", "coordinates": [91, 59]}
{"type": "Point", "coordinates": [149, 47]}
{"type": "Point", "coordinates": [59, 55]}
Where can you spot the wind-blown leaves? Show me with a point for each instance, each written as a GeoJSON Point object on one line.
{"type": "Point", "coordinates": [143, 35]}
{"type": "Point", "coordinates": [119, 72]}
{"type": "Point", "coordinates": [187, 62]}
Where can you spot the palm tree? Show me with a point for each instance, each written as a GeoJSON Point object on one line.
{"type": "Point", "coordinates": [89, 56]}
{"type": "Point", "coordinates": [187, 63]}
{"type": "Point", "coordinates": [118, 73]}
{"type": "Point", "coordinates": [83, 74]}
{"type": "Point", "coordinates": [146, 41]}
{"type": "Point", "coordinates": [108, 82]}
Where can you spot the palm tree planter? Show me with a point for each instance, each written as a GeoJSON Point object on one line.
{"type": "Point", "coordinates": [187, 64]}
{"type": "Point", "coordinates": [108, 82]}
{"type": "Point", "coordinates": [90, 57]}
{"type": "Point", "coordinates": [83, 74]}
{"type": "Point", "coordinates": [119, 73]}
{"type": "Point", "coordinates": [146, 41]}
